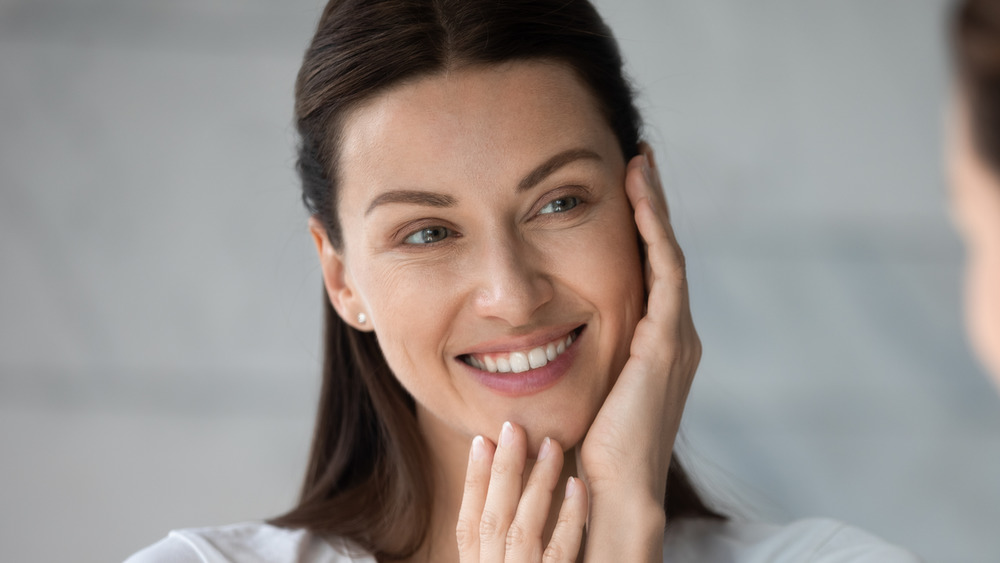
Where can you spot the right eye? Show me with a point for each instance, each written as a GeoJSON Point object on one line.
{"type": "Point", "coordinates": [428, 235]}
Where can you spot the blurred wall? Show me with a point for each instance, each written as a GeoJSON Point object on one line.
{"type": "Point", "coordinates": [159, 297]}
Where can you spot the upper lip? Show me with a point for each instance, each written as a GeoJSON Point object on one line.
{"type": "Point", "coordinates": [524, 342]}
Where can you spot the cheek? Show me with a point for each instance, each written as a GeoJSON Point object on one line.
{"type": "Point", "coordinates": [619, 261]}
{"type": "Point", "coordinates": [401, 298]}
{"type": "Point", "coordinates": [605, 266]}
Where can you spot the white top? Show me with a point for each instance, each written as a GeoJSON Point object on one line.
{"type": "Point", "coordinates": [690, 540]}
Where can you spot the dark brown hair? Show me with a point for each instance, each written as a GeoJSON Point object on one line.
{"type": "Point", "coordinates": [368, 474]}
{"type": "Point", "coordinates": [975, 37]}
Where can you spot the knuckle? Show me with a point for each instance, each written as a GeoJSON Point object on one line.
{"type": "Point", "coordinates": [489, 526]}
{"type": "Point", "coordinates": [679, 272]}
{"type": "Point", "coordinates": [465, 533]}
{"type": "Point", "coordinates": [696, 352]}
{"type": "Point", "coordinates": [516, 538]}
{"type": "Point", "coordinates": [477, 480]}
{"type": "Point", "coordinates": [501, 467]}
{"type": "Point", "coordinates": [553, 553]}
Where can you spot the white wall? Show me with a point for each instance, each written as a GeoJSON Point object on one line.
{"type": "Point", "coordinates": [159, 297]}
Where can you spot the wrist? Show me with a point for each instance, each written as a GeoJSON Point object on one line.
{"type": "Point", "coordinates": [625, 527]}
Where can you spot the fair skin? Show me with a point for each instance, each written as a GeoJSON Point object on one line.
{"type": "Point", "coordinates": [975, 196]}
{"type": "Point", "coordinates": [488, 218]}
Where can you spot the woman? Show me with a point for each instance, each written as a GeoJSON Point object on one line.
{"type": "Point", "coordinates": [974, 159]}
{"type": "Point", "coordinates": [508, 340]}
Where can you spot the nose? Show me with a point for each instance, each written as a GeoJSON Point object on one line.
{"type": "Point", "coordinates": [513, 281]}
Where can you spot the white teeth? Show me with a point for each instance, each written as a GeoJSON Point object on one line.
{"type": "Point", "coordinates": [503, 365]}
{"type": "Point", "coordinates": [537, 358]}
{"type": "Point", "coordinates": [521, 361]}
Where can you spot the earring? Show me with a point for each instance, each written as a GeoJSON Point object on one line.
{"type": "Point", "coordinates": [362, 318]}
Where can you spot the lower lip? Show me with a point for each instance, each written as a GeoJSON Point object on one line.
{"type": "Point", "coordinates": [528, 382]}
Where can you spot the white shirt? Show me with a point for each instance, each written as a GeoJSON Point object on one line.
{"type": "Point", "coordinates": [689, 540]}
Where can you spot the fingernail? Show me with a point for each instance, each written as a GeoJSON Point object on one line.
{"type": "Point", "coordinates": [570, 487]}
{"type": "Point", "coordinates": [647, 173]}
{"type": "Point", "coordinates": [543, 451]}
{"type": "Point", "coordinates": [506, 434]}
{"type": "Point", "coordinates": [478, 448]}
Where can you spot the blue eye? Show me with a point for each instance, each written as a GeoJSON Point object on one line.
{"type": "Point", "coordinates": [560, 205]}
{"type": "Point", "coordinates": [428, 235]}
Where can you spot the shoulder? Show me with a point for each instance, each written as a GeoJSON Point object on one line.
{"type": "Point", "coordinates": [248, 543]}
{"type": "Point", "coordinates": [814, 539]}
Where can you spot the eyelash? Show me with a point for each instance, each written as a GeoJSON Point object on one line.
{"type": "Point", "coordinates": [574, 203]}
{"type": "Point", "coordinates": [424, 230]}
{"type": "Point", "coordinates": [574, 199]}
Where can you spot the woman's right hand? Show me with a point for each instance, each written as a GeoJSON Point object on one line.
{"type": "Point", "coordinates": [499, 521]}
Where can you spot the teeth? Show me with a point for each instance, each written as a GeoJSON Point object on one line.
{"type": "Point", "coordinates": [523, 360]}
{"type": "Point", "coordinates": [537, 358]}
{"type": "Point", "coordinates": [518, 362]}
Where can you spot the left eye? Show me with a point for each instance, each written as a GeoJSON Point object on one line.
{"type": "Point", "coordinates": [560, 205]}
{"type": "Point", "coordinates": [428, 236]}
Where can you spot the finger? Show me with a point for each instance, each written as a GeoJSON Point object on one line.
{"type": "Point", "coordinates": [642, 182]}
{"type": "Point", "coordinates": [524, 537]}
{"type": "Point", "coordinates": [666, 276]}
{"type": "Point", "coordinates": [564, 546]}
{"type": "Point", "coordinates": [664, 255]}
{"type": "Point", "coordinates": [651, 174]}
{"type": "Point", "coordinates": [667, 309]}
{"type": "Point", "coordinates": [503, 495]}
{"type": "Point", "coordinates": [477, 480]}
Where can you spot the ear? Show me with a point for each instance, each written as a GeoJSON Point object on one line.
{"type": "Point", "coordinates": [339, 285]}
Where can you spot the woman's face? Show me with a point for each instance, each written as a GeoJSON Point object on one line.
{"type": "Point", "coordinates": [975, 195]}
{"type": "Point", "coordinates": [489, 240]}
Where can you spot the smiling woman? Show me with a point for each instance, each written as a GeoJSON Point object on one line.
{"type": "Point", "coordinates": [532, 249]}
{"type": "Point", "coordinates": [508, 343]}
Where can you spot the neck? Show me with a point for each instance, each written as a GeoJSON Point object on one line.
{"type": "Point", "coordinates": [449, 455]}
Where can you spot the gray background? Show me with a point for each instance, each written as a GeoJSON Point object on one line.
{"type": "Point", "coordinates": [159, 295]}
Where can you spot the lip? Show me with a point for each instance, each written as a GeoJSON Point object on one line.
{"type": "Point", "coordinates": [531, 381]}
{"type": "Point", "coordinates": [516, 343]}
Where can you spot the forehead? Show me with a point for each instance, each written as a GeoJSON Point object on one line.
{"type": "Point", "coordinates": [483, 122]}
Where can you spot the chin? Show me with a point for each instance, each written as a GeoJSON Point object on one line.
{"type": "Point", "coordinates": [567, 425]}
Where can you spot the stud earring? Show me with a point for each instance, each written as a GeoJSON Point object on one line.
{"type": "Point", "coordinates": [362, 318]}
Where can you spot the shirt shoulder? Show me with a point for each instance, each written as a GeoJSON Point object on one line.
{"type": "Point", "coordinates": [252, 542]}
{"type": "Point", "coordinates": [817, 540]}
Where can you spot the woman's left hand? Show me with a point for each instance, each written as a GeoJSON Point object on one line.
{"type": "Point", "coordinates": [626, 453]}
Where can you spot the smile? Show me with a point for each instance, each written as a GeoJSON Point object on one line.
{"type": "Point", "coordinates": [522, 360]}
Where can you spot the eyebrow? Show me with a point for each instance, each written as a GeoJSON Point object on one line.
{"type": "Point", "coordinates": [553, 164]}
{"type": "Point", "coordinates": [432, 199]}
{"type": "Point", "coordinates": [415, 197]}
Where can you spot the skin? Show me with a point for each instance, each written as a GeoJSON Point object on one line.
{"type": "Point", "coordinates": [482, 265]}
{"type": "Point", "coordinates": [975, 198]}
